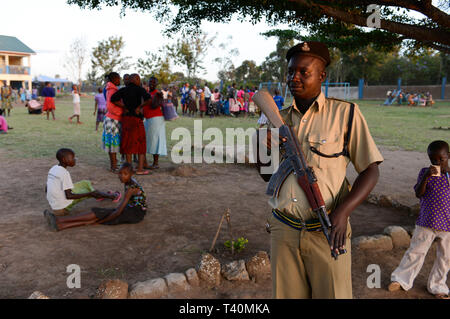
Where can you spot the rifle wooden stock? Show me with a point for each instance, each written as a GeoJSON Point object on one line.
{"type": "Point", "coordinates": [268, 106]}
{"type": "Point", "coordinates": [309, 191]}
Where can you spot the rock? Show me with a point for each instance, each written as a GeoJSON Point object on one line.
{"type": "Point", "coordinates": [209, 271]}
{"type": "Point", "coordinates": [385, 201]}
{"type": "Point", "coordinates": [113, 289]}
{"type": "Point", "coordinates": [177, 282]}
{"type": "Point", "coordinates": [150, 289]}
{"type": "Point", "coordinates": [235, 270]}
{"type": "Point", "coordinates": [410, 229]}
{"type": "Point", "coordinates": [372, 199]}
{"type": "Point", "coordinates": [377, 242]}
{"type": "Point", "coordinates": [38, 295]}
{"type": "Point", "coordinates": [185, 171]}
{"type": "Point", "coordinates": [192, 278]}
{"type": "Point", "coordinates": [400, 237]}
{"type": "Point", "coordinates": [415, 210]}
{"type": "Point", "coordinates": [258, 267]}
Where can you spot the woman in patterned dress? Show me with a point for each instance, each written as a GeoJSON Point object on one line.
{"type": "Point", "coordinates": [6, 98]}
{"type": "Point", "coordinates": [112, 128]}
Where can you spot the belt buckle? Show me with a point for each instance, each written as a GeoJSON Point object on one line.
{"type": "Point", "coordinates": [268, 228]}
{"type": "Point", "coordinates": [303, 224]}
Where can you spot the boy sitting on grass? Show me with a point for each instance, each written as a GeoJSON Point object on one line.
{"type": "Point", "coordinates": [62, 194]}
{"type": "Point", "coordinates": [131, 210]}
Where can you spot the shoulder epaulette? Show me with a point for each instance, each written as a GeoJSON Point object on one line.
{"type": "Point", "coordinates": [333, 98]}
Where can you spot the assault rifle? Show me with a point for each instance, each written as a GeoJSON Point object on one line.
{"type": "Point", "coordinates": [294, 161]}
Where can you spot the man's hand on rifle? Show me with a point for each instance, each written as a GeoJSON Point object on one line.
{"type": "Point", "coordinates": [361, 188]}
{"type": "Point", "coordinates": [338, 233]}
{"type": "Point", "coordinates": [268, 141]}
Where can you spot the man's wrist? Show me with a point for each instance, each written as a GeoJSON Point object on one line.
{"type": "Point", "coordinates": [342, 212]}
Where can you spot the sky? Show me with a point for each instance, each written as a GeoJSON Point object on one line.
{"type": "Point", "coordinates": [49, 27]}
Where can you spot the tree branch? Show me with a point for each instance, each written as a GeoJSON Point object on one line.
{"type": "Point", "coordinates": [421, 34]}
{"type": "Point", "coordinates": [424, 7]}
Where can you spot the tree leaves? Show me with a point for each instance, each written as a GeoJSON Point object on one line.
{"type": "Point", "coordinates": [314, 16]}
{"type": "Point", "coordinates": [107, 56]}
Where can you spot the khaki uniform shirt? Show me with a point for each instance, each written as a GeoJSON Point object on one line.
{"type": "Point", "coordinates": [324, 126]}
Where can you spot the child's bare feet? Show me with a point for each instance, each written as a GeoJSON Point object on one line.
{"type": "Point", "coordinates": [142, 172]}
{"type": "Point", "coordinates": [51, 220]}
{"type": "Point", "coordinates": [118, 197]}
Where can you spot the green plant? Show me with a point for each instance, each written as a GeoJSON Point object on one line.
{"type": "Point", "coordinates": [238, 245]}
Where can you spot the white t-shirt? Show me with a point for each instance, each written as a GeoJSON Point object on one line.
{"type": "Point", "coordinates": [58, 181]}
{"type": "Point", "coordinates": [207, 92]}
{"type": "Point", "coordinates": [76, 97]}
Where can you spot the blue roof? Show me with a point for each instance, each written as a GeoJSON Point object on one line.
{"type": "Point", "coordinates": [12, 44]}
{"type": "Point", "coordinates": [43, 78]}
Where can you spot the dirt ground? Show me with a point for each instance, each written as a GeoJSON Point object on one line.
{"type": "Point", "coordinates": [185, 207]}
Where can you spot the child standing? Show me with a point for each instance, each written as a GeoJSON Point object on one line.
{"type": "Point", "coordinates": [49, 99]}
{"type": "Point", "coordinates": [131, 210]}
{"type": "Point", "coordinates": [433, 189]}
{"type": "Point", "coordinates": [112, 127]}
{"type": "Point", "coordinates": [279, 100]}
{"type": "Point", "coordinates": [62, 194]}
{"type": "Point", "coordinates": [100, 107]}
{"type": "Point", "coordinates": [76, 105]}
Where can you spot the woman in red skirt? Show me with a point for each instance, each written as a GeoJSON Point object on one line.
{"type": "Point", "coordinates": [49, 99]}
{"type": "Point", "coordinates": [133, 139]}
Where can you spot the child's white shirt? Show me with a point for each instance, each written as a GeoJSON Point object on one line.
{"type": "Point", "coordinates": [58, 181]}
{"type": "Point", "coordinates": [76, 97]}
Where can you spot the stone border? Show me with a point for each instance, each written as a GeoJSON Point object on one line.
{"type": "Point", "coordinates": [388, 201]}
{"type": "Point", "coordinates": [209, 273]}
{"type": "Point", "coordinates": [392, 237]}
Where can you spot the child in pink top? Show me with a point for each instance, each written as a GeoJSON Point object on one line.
{"type": "Point", "coordinates": [3, 123]}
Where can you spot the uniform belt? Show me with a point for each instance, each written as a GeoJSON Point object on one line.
{"type": "Point", "coordinates": [311, 225]}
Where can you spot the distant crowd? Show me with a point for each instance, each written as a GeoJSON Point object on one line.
{"type": "Point", "coordinates": [401, 97]}
{"type": "Point", "coordinates": [203, 101]}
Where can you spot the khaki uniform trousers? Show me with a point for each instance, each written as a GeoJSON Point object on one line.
{"type": "Point", "coordinates": [302, 266]}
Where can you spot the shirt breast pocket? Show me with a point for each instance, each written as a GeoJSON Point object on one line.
{"type": "Point", "coordinates": [326, 143]}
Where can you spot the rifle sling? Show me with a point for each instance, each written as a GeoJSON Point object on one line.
{"type": "Point", "coordinates": [345, 151]}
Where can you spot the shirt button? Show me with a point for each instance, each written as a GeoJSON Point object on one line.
{"type": "Point", "coordinates": [294, 200]}
{"type": "Point", "coordinates": [324, 141]}
{"type": "Point", "coordinates": [304, 120]}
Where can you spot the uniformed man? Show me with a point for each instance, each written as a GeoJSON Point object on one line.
{"type": "Point", "coordinates": [302, 266]}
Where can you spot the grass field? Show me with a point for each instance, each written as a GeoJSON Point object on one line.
{"type": "Point", "coordinates": [33, 136]}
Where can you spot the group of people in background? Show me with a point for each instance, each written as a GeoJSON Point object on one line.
{"type": "Point", "coordinates": [212, 103]}
{"type": "Point", "coordinates": [408, 98]}
{"type": "Point", "coordinates": [134, 123]}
